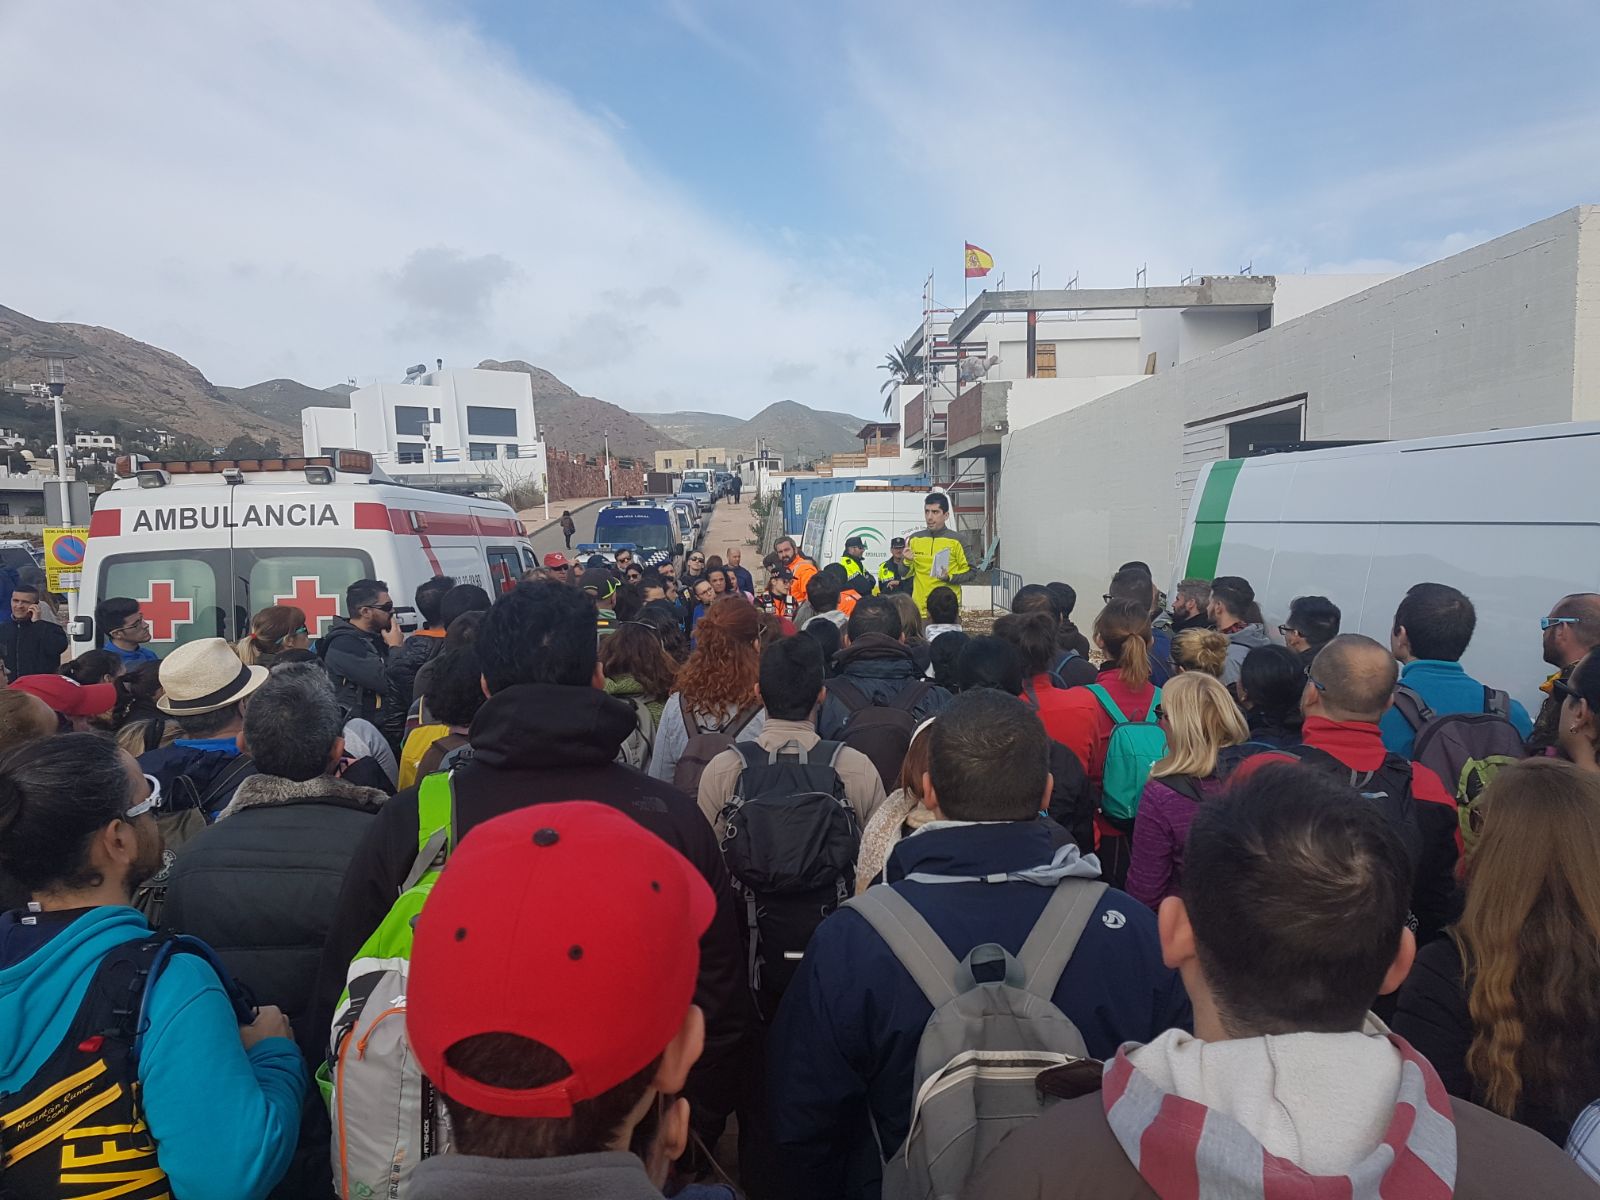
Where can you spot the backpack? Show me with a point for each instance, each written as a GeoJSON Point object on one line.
{"type": "Point", "coordinates": [641, 743]}
{"type": "Point", "coordinates": [1055, 671]}
{"type": "Point", "coordinates": [1466, 750]}
{"type": "Point", "coordinates": [386, 1116]}
{"type": "Point", "coordinates": [985, 1043]}
{"type": "Point", "coordinates": [1133, 749]}
{"type": "Point", "coordinates": [880, 731]}
{"type": "Point", "coordinates": [81, 1116]}
{"type": "Point", "coordinates": [1388, 786]}
{"type": "Point", "coordinates": [183, 817]}
{"type": "Point", "coordinates": [704, 745]}
{"type": "Point", "coordinates": [790, 841]}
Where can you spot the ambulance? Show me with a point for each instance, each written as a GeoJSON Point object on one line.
{"type": "Point", "coordinates": [202, 545]}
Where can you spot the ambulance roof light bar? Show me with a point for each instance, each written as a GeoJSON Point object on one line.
{"type": "Point", "coordinates": [319, 469]}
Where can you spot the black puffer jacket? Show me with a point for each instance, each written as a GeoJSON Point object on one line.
{"type": "Point", "coordinates": [259, 887]}
{"type": "Point", "coordinates": [881, 668]}
{"type": "Point", "coordinates": [536, 743]}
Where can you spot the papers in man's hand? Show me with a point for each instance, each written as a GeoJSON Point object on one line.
{"type": "Point", "coordinates": [941, 564]}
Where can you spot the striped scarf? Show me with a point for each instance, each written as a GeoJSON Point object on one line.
{"type": "Point", "coordinates": [1186, 1151]}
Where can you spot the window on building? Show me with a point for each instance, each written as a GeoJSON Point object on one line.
{"type": "Point", "coordinates": [512, 451]}
{"type": "Point", "coordinates": [491, 422]}
{"type": "Point", "coordinates": [5, 508]}
{"type": "Point", "coordinates": [436, 415]}
{"type": "Point", "coordinates": [409, 419]}
{"type": "Point", "coordinates": [409, 452]}
{"type": "Point", "coordinates": [666, 464]}
{"type": "Point", "coordinates": [482, 451]}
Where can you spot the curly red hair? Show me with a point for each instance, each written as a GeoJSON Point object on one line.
{"type": "Point", "coordinates": [724, 670]}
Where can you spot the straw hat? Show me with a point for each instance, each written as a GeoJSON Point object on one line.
{"type": "Point", "coordinates": [203, 676]}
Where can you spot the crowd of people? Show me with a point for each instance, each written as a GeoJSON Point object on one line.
{"type": "Point", "coordinates": [553, 894]}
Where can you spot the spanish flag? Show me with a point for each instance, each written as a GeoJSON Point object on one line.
{"type": "Point", "coordinates": [979, 262]}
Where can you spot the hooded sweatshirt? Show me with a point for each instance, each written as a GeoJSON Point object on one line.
{"type": "Point", "coordinates": [1300, 1116]}
{"type": "Point", "coordinates": [607, 1175]}
{"type": "Point", "coordinates": [1240, 643]}
{"type": "Point", "coordinates": [224, 1119]}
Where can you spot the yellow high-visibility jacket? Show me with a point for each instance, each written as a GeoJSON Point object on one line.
{"type": "Point", "coordinates": [921, 550]}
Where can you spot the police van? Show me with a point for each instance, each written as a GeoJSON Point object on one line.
{"type": "Point", "coordinates": [202, 545]}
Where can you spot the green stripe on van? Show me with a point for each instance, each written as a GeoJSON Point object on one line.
{"type": "Point", "coordinates": [1210, 519]}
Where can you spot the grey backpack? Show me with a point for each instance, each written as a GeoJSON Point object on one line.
{"type": "Point", "coordinates": [985, 1043]}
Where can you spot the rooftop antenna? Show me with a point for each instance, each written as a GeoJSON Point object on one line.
{"type": "Point", "coordinates": [1141, 276]}
{"type": "Point", "coordinates": [1035, 283]}
{"type": "Point", "coordinates": [1249, 268]}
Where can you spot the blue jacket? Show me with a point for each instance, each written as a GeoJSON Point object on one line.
{"type": "Point", "coordinates": [225, 1119]}
{"type": "Point", "coordinates": [1161, 657]}
{"type": "Point", "coordinates": [1446, 688]}
{"type": "Point", "coordinates": [845, 1038]}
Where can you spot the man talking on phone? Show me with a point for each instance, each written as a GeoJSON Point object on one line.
{"type": "Point", "coordinates": [28, 645]}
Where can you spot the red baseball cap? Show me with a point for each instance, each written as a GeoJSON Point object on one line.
{"type": "Point", "coordinates": [555, 560]}
{"type": "Point", "coordinates": [569, 924]}
{"type": "Point", "coordinates": [69, 697]}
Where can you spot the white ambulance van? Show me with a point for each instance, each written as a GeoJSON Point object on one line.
{"type": "Point", "coordinates": [1501, 515]}
{"type": "Point", "coordinates": [875, 513]}
{"type": "Point", "coordinates": [203, 545]}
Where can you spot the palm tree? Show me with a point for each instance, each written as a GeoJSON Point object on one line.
{"type": "Point", "coordinates": [903, 368]}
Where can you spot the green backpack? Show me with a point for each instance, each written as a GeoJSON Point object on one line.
{"type": "Point", "coordinates": [1133, 750]}
{"type": "Point", "coordinates": [386, 1116]}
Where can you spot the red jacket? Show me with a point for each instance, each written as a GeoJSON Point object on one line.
{"type": "Point", "coordinates": [1359, 746]}
{"type": "Point", "coordinates": [1084, 727]}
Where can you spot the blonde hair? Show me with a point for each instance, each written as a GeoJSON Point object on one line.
{"type": "Point", "coordinates": [1200, 650]}
{"type": "Point", "coordinates": [1201, 719]}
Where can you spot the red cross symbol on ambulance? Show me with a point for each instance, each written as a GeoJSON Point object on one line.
{"type": "Point", "coordinates": [166, 611]}
{"type": "Point", "coordinates": [306, 594]}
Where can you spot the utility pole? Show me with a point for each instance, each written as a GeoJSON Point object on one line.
{"type": "Point", "coordinates": [607, 436]}
{"type": "Point", "coordinates": [56, 380]}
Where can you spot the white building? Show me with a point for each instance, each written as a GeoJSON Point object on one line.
{"type": "Point", "coordinates": [94, 441]}
{"type": "Point", "coordinates": [1504, 334]}
{"type": "Point", "coordinates": [443, 428]}
{"type": "Point", "coordinates": [958, 428]}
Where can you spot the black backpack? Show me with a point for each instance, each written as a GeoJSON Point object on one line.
{"type": "Point", "coordinates": [1055, 671]}
{"type": "Point", "coordinates": [83, 1105]}
{"type": "Point", "coordinates": [1388, 786]}
{"type": "Point", "coordinates": [790, 841]}
{"type": "Point", "coordinates": [880, 731]}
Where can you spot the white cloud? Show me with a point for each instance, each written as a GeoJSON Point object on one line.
{"type": "Point", "coordinates": [323, 190]}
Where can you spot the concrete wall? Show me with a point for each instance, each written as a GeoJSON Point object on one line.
{"type": "Point", "coordinates": [1505, 334]}
{"type": "Point", "coordinates": [1035, 400]}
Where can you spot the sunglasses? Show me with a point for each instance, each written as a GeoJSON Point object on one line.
{"type": "Point", "coordinates": [150, 803]}
{"type": "Point", "coordinates": [1565, 690]}
{"type": "Point", "coordinates": [562, 568]}
{"type": "Point", "coordinates": [1549, 623]}
{"type": "Point", "coordinates": [299, 631]}
{"type": "Point", "coordinates": [386, 608]}
{"type": "Point", "coordinates": [1286, 630]}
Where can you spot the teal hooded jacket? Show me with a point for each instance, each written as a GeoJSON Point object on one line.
{"type": "Point", "coordinates": [225, 1120]}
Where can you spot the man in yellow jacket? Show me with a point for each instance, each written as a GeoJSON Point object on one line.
{"type": "Point", "coordinates": [937, 556]}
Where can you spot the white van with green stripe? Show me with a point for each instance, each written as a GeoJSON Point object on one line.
{"type": "Point", "coordinates": [1505, 516]}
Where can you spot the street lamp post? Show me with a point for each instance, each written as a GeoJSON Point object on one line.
{"type": "Point", "coordinates": [56, 380]}
{"type": "Point", "coordinates": [607, 436]}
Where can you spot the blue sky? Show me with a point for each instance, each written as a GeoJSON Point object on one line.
{"type": "Point", "coordinates": [716, 204]}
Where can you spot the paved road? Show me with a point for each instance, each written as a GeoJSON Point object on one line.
{"type": "Point", "coordinates": [729, 526]}
{"type": "Point", "coordinates": [549, 540]}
